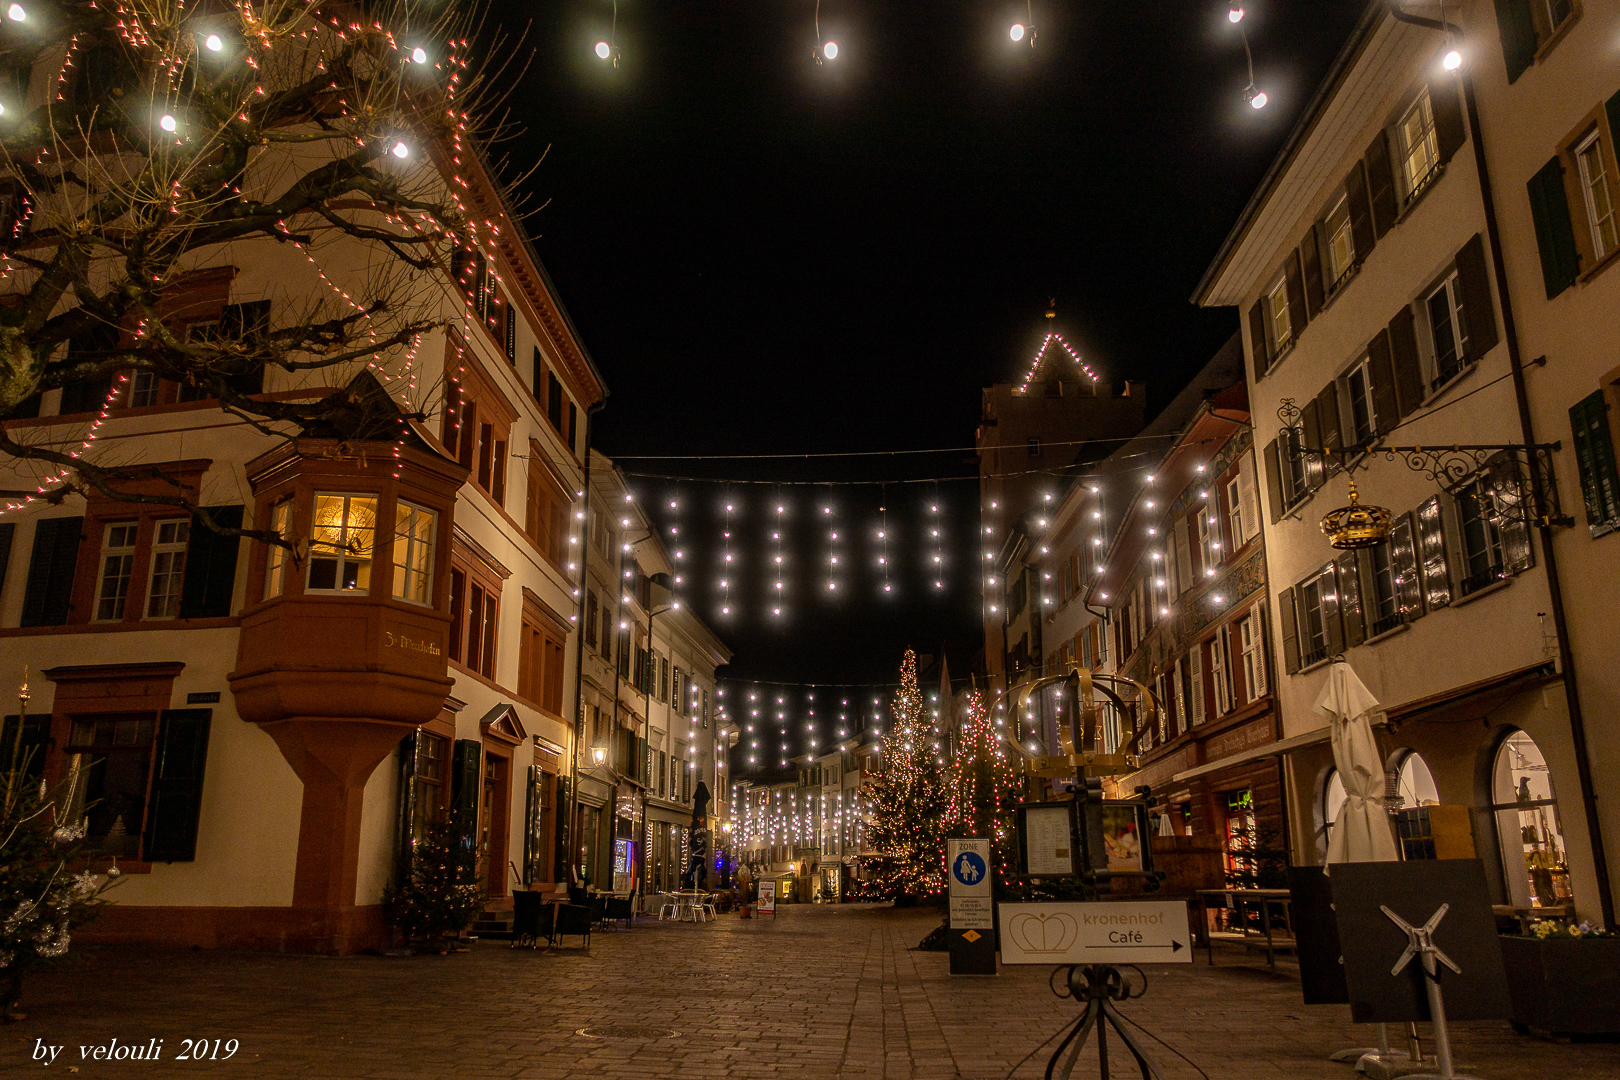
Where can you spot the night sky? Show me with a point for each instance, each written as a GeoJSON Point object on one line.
{"type": "Point", "coordinates": [765, 256]}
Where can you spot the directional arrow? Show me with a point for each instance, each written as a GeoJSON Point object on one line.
{"type": "Point", "coordinates": [1174, 946]}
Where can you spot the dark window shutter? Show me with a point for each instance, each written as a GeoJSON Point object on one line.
{"type": "Point", "coordinates": [563, 868]}
{"type": "Point", "coordinates": [554, 401]}
{"type": "Point", "coordinates": [27, 407]}
{"type": "Point", "coordinates": [464, 765]}
{"type": "Point", "coordinates": [1297, 315]}
{"type": "Point", "coordinates": [1359, 202]}
{"type": "Point", "coordinates": [1355, 630]}
{"type": "Point", "coordinates": [1612, 109]}
{"type": "Point", "coordinates": [533, 839]}
{"type": "Point", "coordinates": [1432, 555]}
{"type": "Point", "coordinates": [1257, 338]}
{"type": "Point", "coordinates": [1446, 102]}
{"type": "Point", "coordinates": [1273, 485]}
{"type": "Point", "coordinates": [539, 373]}
{"type": "Point", "coordinates": [1404, 363]}
{"type": "Point", "coordinates": [1290, 630]}
{"type": "Point", "coordinates": [49, 593]}
{"type": "Point", "coordinates": [1518, 30]}
{"type": "Point", "coordinates": [1328, 591]}
{"type": "Point", "coordinates": [1310, 423]}
{"type": "Point", "coordinates": [405, 805]}
{"type": "Point", "coordinates": [1555, 235]}
{"type": "Point", "coordinates": [177, 783]}
{"type": "Point", "coordinates": [1510, 490]}
{"type": "Point", "coordinates": [211, 566]}
{"type": "Point", "coordinates": [1478, 310]}
{"type": "Point", "coordinates": [1310, 260]}
{"type": "Point", "coordinates": [1403, 553]}
{"type": "Point", "coordinates": [1380, 189]}
{"type": "Point", "coordinates": [247, 323]}
{"type": "Point", "coordinates": [1327, 417]}
{"type": "Point", "coordinates": [8, 530]}
{"type": "Point", "coordinates": [1594, 457]}
{"type": "Point", "coordinates": [36, 743]}
{"type": "Point", "coordinates": [573, 427]}
{"type": "Point", "coordinates": [1382, 372]}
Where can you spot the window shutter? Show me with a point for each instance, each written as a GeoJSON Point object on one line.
{"type": "Point", "coordinates": [1449, 129]}
{"type": "Point", "coordinates": [210, 580]}
{"type": "Point", "coordinates": [1479, 313]}
{"type": "Point", "coordinates": [49, 592]}
{"type": "Point", "coordinates": [1510, 490]}
{"type": "Point", "coordinates": [1404, 363]}
{"type": "Point", "coordinates": [405, 804]}
{"type": "Point", "coordinates": [1381, 371]}
{"type": "Point", "coordinates": [1327, 417]}
{"type": "Point", "coordinates": [1183, 556]}
{"type": "Point", "coordinates": [465, 760]}
{"type": "Point", "coordinates": [1611, 109]}
{"type": "Point", "coordinates": [1380, 189]}
{"type": "Point", "coordinates": [539, 373]}
{"type": "Point", "coordinates": [1403, 554]}
{"type": "Point", "coordinates": [1274, 482]}
{"type": "Point", "coordinates": [1310, 421]}
{"type": "Point", "coordinates": [1327, 589]}
{"type": "Point", "coordinates": [1431, 539]}
{"type": "Point", "coordinates": [1518, 31]}
{"type": "Point", "coordinates": [1555, 234]}
{"type": "Point", "coordinates": [8, 529]}
{"type": "Point", "coordinates": [1295, 280]}
{"type": "Point", "coordinates": [1248, 499]}
{"type": "Point", "coordinates": [247, 323]}
{"type": "Point", "coordinates": [1290, 630]}
{"type": "Point", "coordinates": [1355, 630]}
{"type": "Point", "coordinates": [1261, 674]}
{"type": "Point", "coordinates": [1257, 338]}
{"type": "Point", "coordinates": [534, 831]}
{"type": "Point", "coordinates": [1594, 458]}
{"type": "Point", "coordinates": [1310, 259]}
{"type": "Point", "coordinates": [1358, 200]}
{"type": "Point", "coordinates": [1195, 670]}
{"type": "Point", "coordinates": [177, 781]}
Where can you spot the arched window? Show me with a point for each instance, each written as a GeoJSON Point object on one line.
{"type": "Point", "coordinates": [1414, 825]}
{"type": "Point", "coordinates": [1534, 865]}
{"type": "Point", "coordinates": [1414, 782]}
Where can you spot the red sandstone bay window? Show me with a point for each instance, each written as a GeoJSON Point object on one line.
{"type": "Point", "coordinates": [342, 546]}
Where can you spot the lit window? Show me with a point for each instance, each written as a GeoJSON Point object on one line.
{"type": "Point", "coordinates": [1363, 413]}
{"type": "Point", "coordinates": [413, 553]}
{"type": "Point", "coordinates": [1595, 190]}
{"type": "Point", "coordinates": [168, 568]}
{"type": "Point", "coordinates": [275, 576]}
{"type": "Point", "coordinates": [1341, 243]}
{"type": "Point", "coordinates": [1420, 149]}
{"type": "Point", "coordinates": [340, 543]}
{"type": "Point", "coordinates": [1282, 326]}
{"type": "Point", "coordinates": [117, 560]}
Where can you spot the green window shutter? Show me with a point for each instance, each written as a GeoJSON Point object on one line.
{"type": "Point", "coordinates": [1446, 101]}
{"type": "Point", "coordinates": [534, 827]}
{"type": "Point", "coordinates": [49, 593]}
{"type": "Point", "coordinates": [1257, 338]}
{"type": "Point", "coordinates": [210, 579]}
{"type": "Point", "coordinates": [1355, 630]}
{"type": "Point", "coordinates": [1432, 554]}
{"type": "Point", "coordinates": [1403, 554]}
{"type": "Point", "coordinates": [1555, 234]}
{"type": "Point", "coordinates": [1295, 280]}
{"type": "Point", "coordinates": [405, 805]}
{"type": "Point", "coordinates": [1380, 365]}
{"type": "Point", "coordinates": [1404, 363]}
{"type": "Point", "coordinates": [1479, 313]}
{"type": "Point", "coordinates": [1273, 497]}
{"type": "Point", "coordinates": [1594, 457]}
{"type": "Point", "coordinates": [177, 783]}
{"type": "Point", "coordinates": [1518, 32]}
{"type": "Point", "coordinates": [1310, 258]}
{"type": "Point", "coordinates": [1290, 630]}
{"type": "Point", "coordinates": [1327, 418]}
{"type": "Point", "coordinates": [8, 529]}
{"type": "Point", "coordinates": [1328, 591]}
{"type": "Point", "coordinates": [464, 772]}
{"type": "Point", "coordinates": [1380, 190]}
{"type": "Point", "coordinates": [1359, 201]}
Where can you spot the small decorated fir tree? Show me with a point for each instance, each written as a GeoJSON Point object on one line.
{"type": "Point", "coordinates": [982, 788]}
{"type": "Point", "coordinates": [438, 895]}
{"type": "Point", "coordinates": [44, 889]}
{"type": "Point", "coordinates": [904, 834]}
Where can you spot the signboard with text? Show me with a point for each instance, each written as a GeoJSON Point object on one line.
{"type": "Point", "coordinates": [1127, 932]}
{"type": "Point", "coordinates": [767, 896]}
{"type": "Point", "coordinates": [972, 934]}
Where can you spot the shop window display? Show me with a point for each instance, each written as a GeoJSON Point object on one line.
{"type": "Point", "coordinates": [1534, 862]}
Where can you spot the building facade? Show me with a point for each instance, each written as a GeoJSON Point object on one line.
{"type": "Point", "coordinates": [1416, 211]}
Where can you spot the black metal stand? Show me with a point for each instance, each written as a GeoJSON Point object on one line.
{"type": "Point", "coordinates": [1099, 986]}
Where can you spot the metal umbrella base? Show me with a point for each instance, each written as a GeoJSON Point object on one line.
{"type": "Point", "coordinates": [1099, 986]}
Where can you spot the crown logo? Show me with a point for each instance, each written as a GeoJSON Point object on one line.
{"type": "Point", "coordinates": [1356, 526]}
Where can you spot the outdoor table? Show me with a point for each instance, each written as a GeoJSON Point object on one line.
{"type": "Point", "coordinates": [1238, 901]}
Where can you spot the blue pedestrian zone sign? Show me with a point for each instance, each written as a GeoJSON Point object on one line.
{"type": "Point", "coordinates": [968, 868]}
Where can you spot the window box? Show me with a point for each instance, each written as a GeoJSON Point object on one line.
{"type": "Point", "coordinates": [1563, 986]}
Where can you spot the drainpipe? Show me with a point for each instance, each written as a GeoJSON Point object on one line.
{"type": "Point", "coordinates": [1566, 656]}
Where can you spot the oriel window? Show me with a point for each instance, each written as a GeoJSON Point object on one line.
{"type": "Point", "coordinates": [342, 536]}
{"type": "Point", "coordinates": [413, 553]}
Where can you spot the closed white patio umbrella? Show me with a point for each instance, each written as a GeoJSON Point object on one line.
{"type": "Point", "coordinates": [1361, 832]}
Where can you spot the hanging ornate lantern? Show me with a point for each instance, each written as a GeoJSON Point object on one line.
{"type": "Point", "coordinates": [1356, 526]}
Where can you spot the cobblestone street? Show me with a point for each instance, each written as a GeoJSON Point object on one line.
{"type": "Point", "coordinates": [819, 992]}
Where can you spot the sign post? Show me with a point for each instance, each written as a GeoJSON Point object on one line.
{"type": "Point", "coordinates": [972, 932]}
{"type": "Point", "coordinates": [767, 896]}
{"type": "Point", "coordinates": [1108, 932]}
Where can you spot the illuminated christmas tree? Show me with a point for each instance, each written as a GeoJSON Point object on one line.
{"type": "Point", "coordinates": [982, 787]}
{"type": "Point", "coordinates": [904, 834]}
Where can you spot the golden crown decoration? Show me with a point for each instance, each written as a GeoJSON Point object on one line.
{"type": "Point", "coordinates": [1355, 526]}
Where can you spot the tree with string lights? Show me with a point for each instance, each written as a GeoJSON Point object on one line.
{"type": "Point", "coordinates": [904, 834]}
{"type": "Point", "coordinates": [163, 142]}
{"type": "Point", "coordinates": [982, 788]}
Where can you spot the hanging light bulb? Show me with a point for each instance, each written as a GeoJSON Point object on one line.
{"type": "Point", "coordinates": [603, 50]}
{"type": "Point", "coordinates": [1017, 32]}
{"type": "Point", "coordinates": [213, 43]}
{"type": "Point", "coordinates": [1235, 13]}
{"type": "Point", "coordinates": [1452, 61]}
{"type": "Point", "coordinates": [401, 151]}
{"type": "Point", "coordinates": [167, 123]}
{"type": "Point", "coordinates": [418, 55]}
{"type": "Point", "coordinates": [1256, 98]}
{"type": "Point", "coordinates": [16, 13]}
{"type": "Point", "coordinates": [830, 50]}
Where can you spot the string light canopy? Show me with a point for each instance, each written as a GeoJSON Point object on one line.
{"type": "Point", "coordinates": [1025, 31]}
{"type": "Point", "coordinates": [609, 49]}
{"type": "Point", "coordinates": [824, 50]}
{"type": "Point", "coordinates": [1253, 95]}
